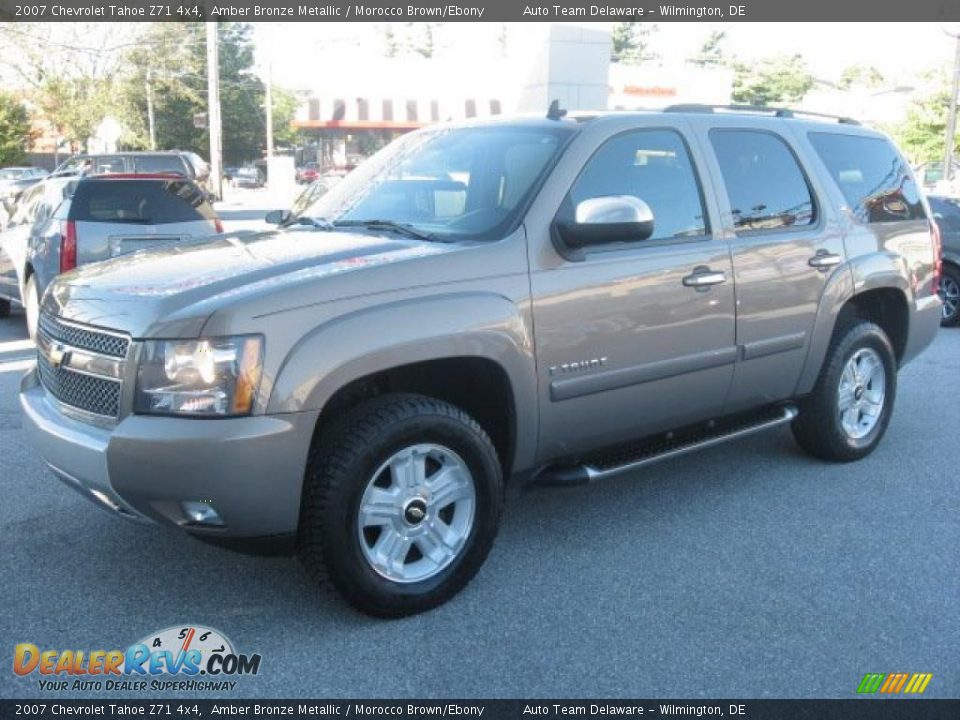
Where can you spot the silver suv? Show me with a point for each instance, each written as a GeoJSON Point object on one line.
{"type": "Point", "coordinates": [65, 222]}
{"type": "Point", "coordinates": [488, 305]}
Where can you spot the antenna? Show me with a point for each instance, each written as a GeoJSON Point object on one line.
{"type": "Point", "coordinates": [555, 113]}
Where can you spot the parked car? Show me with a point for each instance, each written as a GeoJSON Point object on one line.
{"type": "Point", "coordinates": [14, 180]}
{"type": "Point", "coordinates": [480, 306]}
{"type": "Point", "coordinates": [188, 164]}
{"type": "Point", "coordinates": [65, 222]}
{"type": "Point", "coordinates": [308, 172]}
{"type": "Point", "coordinates": [946, 213]}
{"type": "Point", "coordinates": [301, 208]}
{"type": "Point", "coordinates": [246, 178]}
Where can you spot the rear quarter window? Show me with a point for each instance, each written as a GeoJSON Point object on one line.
{"type": "Point", "coordinates": [146, 202]}
{"type": "Point", "coordinates": [871, 174]}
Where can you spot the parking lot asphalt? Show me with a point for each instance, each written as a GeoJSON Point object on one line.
{"type": "Point", "coordinates": [749, 570]}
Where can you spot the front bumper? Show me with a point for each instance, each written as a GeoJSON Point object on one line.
{"type": "Point", "coordinates": [250, 470]}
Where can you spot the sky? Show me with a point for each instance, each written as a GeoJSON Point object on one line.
{"type": "Point", "coordinates": [899, 50]}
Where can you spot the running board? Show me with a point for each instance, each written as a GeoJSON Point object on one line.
{"type": "Point", "coordinates": [617, 462]}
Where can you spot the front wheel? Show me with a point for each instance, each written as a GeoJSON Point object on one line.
{"type": "Point", "coordinates": [31, 305]}
{"type": "Point", "coordinates": [401, 505]}
{"type": "Point", "coordinates": [847, 413]}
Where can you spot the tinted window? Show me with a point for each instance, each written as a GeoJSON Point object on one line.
{"type": "Point", "coordinates": [947, 212]}
{"type": "Point", "coordinates": [109, 164]}
{"type": "Point", "coordinates": [148, 202]}
{"type": "Point", "coordinates": [871, 175]}
{"type": "Point", "coordinates": [766, 187]}
{"type": "Point", "coordinates": [652, 165]}
{"type": "Point", "coordinates": [158, 164]}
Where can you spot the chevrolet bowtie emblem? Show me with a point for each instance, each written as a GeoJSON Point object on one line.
{"type": "Point", "coordinates": [58, 355]}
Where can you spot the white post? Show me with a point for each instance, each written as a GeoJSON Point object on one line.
{"type": "Point", "coordinates": [213, 110]}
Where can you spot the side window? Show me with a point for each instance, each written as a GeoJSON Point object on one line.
{"type": "Point", "coordinates": [871, 175]}
{"type": "Point", "coordinates": [654, 166]}
{"type": "Point", "coordinates": [766, 187]}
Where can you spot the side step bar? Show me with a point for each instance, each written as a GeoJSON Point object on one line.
{"type": "Point", "coordinates": [592, 470]}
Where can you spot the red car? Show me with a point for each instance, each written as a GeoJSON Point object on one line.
{"type": "Point", "coordinates": [308, 173]}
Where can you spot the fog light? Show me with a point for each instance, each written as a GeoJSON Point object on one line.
{"type": "Point", "coordinates": [201, 513]}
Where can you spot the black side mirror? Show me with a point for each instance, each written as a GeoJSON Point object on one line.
{"type": "Point", "coordinates": [610, 218]}
{"type": "Point", "coordinates": [278, 217]}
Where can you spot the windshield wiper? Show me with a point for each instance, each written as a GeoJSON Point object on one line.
{"type": "Point", "coordinates": [317, 222]}
{"type": "Point", "coordinates": [403, 228]}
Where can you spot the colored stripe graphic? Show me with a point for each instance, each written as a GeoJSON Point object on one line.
{"type": "Point", "coordinates": [871, 682]}
{"type": "Point", "coordinates": [893, 683]}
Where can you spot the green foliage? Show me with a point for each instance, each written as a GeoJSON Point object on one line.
{"type": "Point", "coordinates": [711, 53]}
{"type": "Point", "coordinates": [860, 76]}
{"type": "Point", "coordinates": [631, 43]}
{"type": "Point", "coordinates": [772, 80]}
{"type": "Point", "coordinates": [172, 59]}
{"type": "Point", "coordinates": [409, 39]}
{"type": "Point", "coordinates": [285, 105]}
{"type": "Point", "coordinates": [922, 134]}
{"type": "Point", "coordinates": [75, 106]}
{"type": "Point", "coordinates": [15, 132]}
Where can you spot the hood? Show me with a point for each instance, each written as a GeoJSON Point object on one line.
{"type": "Point", "coordinates": [181, 285]}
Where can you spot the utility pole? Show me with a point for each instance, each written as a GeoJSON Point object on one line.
{"type": "Point", "coordinates": [213, 110]}
{"type": "Point", "coordinates": [952, 117]}
{"type": "Point", "coordinates": [269, 102]}
{"type": "Point", "coordinates": [150, 119]}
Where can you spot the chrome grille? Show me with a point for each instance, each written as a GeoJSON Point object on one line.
{"type": "Point", "coordinates": [93, 394]}
{"type": "Point", "coordinates": [81, 366]}
{"type": "Point", "coordinates": [87, 339]}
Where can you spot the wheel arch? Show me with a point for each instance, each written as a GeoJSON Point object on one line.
{"type": "Point", "coordinates": [474, 350]}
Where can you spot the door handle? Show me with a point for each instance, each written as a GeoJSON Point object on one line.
{"type": "Point", "coordinates": [704, 277]}
{"type": "Point", "coordinates": [824, 260]}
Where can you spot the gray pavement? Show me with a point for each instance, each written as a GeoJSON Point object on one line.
{"type": "Point", "coordinates": [749, 570]}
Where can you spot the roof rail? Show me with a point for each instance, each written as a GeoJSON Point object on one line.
{"type": "Point", "coordinates": [759, 109]}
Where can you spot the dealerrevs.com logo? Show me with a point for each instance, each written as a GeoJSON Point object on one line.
{"type": "Point", "coordinates": [179, 658]}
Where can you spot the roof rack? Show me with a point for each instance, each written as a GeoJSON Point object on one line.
{"type": "Point", "coordinates": [759, 109]}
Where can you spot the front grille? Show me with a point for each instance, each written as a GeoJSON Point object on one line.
{"type": "Point", "coordinates": [92, 340]}
{"type": "Point", "coordinates": [92, 393]}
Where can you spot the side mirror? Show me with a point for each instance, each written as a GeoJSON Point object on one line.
{"type": "Point", "coordinates": [610, 218]}
{"type": "Point", "coordinates": [277, 217]}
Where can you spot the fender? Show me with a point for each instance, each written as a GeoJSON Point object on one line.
{"type": "Point", "coordinates": [951, 257]}
{"type": "Point", "coordinates": [860, 274]}
{"type": "Point", "coordinates": [368, 341]}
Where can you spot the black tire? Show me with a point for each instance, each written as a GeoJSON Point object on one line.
{"type": "Point", "coordinates": [950, 282]}
{"type": "Point", "coordinates": [4, 308]}
{"type": "Point", "coordinates": [818, 428]}
{"type": "Point", "coordinates": [344, 459]}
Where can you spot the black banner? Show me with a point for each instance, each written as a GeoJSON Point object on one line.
{"type": "Point", "coordinates": [854, 709]}
{"type": "Point", "coordinates": [477, 10]}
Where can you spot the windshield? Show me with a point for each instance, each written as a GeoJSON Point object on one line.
{"type": "Point", "coordinates": [463, 183]}
{"type": "Point", "coordinates": [11, 173]}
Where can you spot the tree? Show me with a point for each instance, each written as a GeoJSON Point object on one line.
{"type": "Point", "coordinates": [631, 43]}
{"type": "Point", "coordinates": [711, 53]}
{"type": "Point", "coordinates": [172, 58]}
{"type": "Point", "coordinates": [409, 39]}
{"type": "Point", "coordinates": [15, 130]}
{"type": "Point", "coordinates": [285, 104]}
{"type": "Point", "coordinates": [863, 76]}
{"type": "Point", "coordinates": [772, 80]}
{"type": "Point", "coordinates": [922, 134]}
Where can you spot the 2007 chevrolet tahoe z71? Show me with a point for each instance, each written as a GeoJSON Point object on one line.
{"type": "Point", "coordinates": [550, 300]}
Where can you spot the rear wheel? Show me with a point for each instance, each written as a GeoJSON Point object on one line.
{"type": "Point", "coordinates": [31, 305]}
{"type": "Point", "coordinates": [847, 414]}
{"type": "Point", "coordinates": [402, 503]}
{"type": "Point", "coordinates": [950, 294]}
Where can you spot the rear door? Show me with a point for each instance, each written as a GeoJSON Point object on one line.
{"type": "Point", "coordinates": [785, 245]}
{"type": "Point", "coordinates": [14, 241]}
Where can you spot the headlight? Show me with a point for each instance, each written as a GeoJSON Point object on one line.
{"type": "Point", "coordinates": [210, 377]}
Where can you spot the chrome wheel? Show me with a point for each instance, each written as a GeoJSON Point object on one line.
{"type": "Point", "coordinates": [416, 513]}
{"type": "Point", "coordinates": [950, 294]}
{"type": "Point", "coordinates": [861, 393]}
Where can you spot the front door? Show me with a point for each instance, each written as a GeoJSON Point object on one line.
{"type": "Point", "coordinates": [635, 336]}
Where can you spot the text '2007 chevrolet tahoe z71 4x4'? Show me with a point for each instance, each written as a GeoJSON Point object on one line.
{"type": "Point", "coordinates": [540, 300]}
